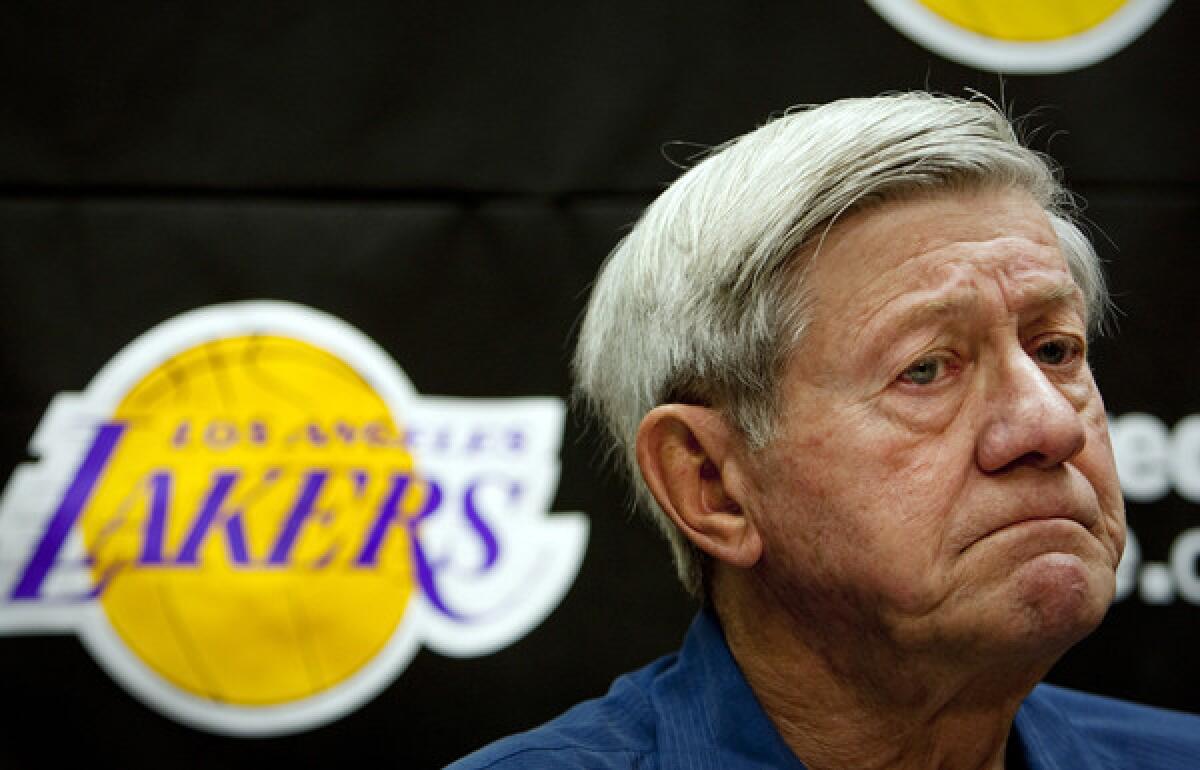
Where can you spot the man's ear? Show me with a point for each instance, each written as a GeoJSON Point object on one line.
{"type": "Point", "coordinates": [689, 460]}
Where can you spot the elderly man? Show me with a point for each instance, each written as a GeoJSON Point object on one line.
{"type": "Point", "coordinates": [846, 357]}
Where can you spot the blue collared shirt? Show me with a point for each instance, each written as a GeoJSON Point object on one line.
{"type": "Point", "coordinates": [694, 711]}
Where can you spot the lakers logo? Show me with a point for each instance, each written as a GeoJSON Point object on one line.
{"type": "Point", "coordinates": [253, 521]}
{"type": "Point", "coordinates": [1022, 36]}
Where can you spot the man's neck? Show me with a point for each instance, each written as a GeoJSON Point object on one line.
{"type": "Point", "coordinates": [861, 706]}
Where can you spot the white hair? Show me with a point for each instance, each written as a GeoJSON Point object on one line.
{"type": "Point", "coordinates": [704, 300]}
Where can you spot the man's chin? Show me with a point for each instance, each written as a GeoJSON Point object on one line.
{"type": "Point", "coordinates": [1031, 614]}
{"type": "Point", "coordinates": [1060, 597]}
{"type": "Point", "coordinates": [1053, 578]}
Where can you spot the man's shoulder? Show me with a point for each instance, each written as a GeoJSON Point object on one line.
{"type": "Point", "coordinates": [616, 730]}
{"type": "Point", "coordinates": [1130, 734]}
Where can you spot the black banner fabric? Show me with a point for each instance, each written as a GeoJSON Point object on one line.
{"type": "Point", "coordinates": [447, 182]}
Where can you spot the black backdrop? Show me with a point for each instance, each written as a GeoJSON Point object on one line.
{"type": "Point", "coordinates": [447, 179]}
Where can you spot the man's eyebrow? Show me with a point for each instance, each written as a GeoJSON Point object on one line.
{"type": "Point", "coordinates": [1056, 293]}
{"type": "Point", "coordinates": [1037, 296]}
{"type": "Point", "coordinates": [917, 312]}
{"type": "Point", "coordinates": [911, 313]}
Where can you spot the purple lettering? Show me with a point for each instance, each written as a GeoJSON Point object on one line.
{"type": "Point", "coordinates": [182, 434]}
{"type": "Point", "coordinates": [210, 514]}
{"type": "Point", "coordinates": [491, 548]}
{"type": "Point", "coordinates": [156, 524]}
{"type": "Point", "coordinates": [282, 550]}
{"type": "Point", "coordinates": [478, 441]}
{"type": "Point", "coordinates": [69, 508]}
{"type": "Point", "coordinates": [376, 433]}
{"type": "Point", "coordinates": [220, 434]}
{"type": "Point", "coordinates": [316, 436]}
{"type": "Point", "coordinates": [345, 431]}
{"type": "Point", "coordinates": [359, 477]}
{"type": "Point", "coordinates": [389, 514]}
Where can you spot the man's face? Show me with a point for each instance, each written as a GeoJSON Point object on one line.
{"type": "Point", "coordinates": [943, 478]}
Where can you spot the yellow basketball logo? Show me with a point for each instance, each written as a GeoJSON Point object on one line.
{"type": "Point", "coordinates": [1022, 36]}
{"type": "Point", "coordinates": [255, 521]}
{"type": "Point", "coordinates": [263, 436]}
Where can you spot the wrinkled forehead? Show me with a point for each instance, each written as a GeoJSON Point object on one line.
{"type": "Point", "coordinates": [1022, 270]}
{"type": "Point", "coordinates": [945, 248]}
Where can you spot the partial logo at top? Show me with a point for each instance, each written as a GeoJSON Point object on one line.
{"type": "Point", "coordinates": [1022, 36]}
{"type": "Point", "coordinates": [253, 521]}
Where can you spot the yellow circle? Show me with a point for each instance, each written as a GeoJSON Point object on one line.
{"type": "Point", "coordinates": [1025, 20]}
{"type": "Point", "coordinates": [253, 618]}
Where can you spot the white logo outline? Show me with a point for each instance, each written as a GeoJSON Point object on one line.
{"type": "Point", "coordinates": [553, 545]}
{"type": "Point", "coordinates": [1088, 47]}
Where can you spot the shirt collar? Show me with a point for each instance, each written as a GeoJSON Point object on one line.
{"type": "Point", "coordinates": [1048, 738]}
{"type": "Point", "coordinates": [710, 718]}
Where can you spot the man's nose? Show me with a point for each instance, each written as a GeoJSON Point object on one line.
{"type": "Point", "coordinates": [1029, 420]}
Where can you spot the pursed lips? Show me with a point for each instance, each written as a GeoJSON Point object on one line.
{"type": "Point", "coordinates": [1042, 511]}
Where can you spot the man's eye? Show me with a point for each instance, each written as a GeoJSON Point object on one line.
{"type": "Point", "coordinates": [1057, 352]}
{"type": "Point", "coordinates": [924, 371]}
